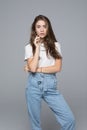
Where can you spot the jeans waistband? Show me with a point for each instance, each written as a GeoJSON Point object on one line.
{"type": "Point", "coordinates": [42, 74]}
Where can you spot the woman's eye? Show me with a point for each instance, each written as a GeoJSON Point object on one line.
{"type": "Point", "coordinates": [38, 26]}
{"type": "Point", "coordinates": [45, 26]}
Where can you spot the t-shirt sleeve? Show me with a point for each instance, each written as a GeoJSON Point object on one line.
{"type": "Point", "coordinates": [58, 47]}
{"type": "Point", "coordinates": [28, 52]}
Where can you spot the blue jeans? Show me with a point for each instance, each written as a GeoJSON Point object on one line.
{"type": "Point", "coordinates": [44, 86]}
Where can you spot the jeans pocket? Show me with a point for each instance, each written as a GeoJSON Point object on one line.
{"type": "Point", "coordinates": [52, 83]}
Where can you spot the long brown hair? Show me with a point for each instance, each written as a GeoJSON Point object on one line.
{"type": "Point", "coordinates": [49, 40]}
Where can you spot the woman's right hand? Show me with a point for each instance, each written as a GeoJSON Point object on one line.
{"type": "Point", "coordinates": [37, 41]}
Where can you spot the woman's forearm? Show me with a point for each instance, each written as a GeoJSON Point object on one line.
{"type": "Point", "coordinates": [50, 69]}
{"type": "Point", "coordinates": [34, 62]}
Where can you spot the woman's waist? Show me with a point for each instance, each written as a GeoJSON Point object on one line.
{"type": "Point", "coordinates": [43, 75]}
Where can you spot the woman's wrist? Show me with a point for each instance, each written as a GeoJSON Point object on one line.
{"type": "Point", "coordinates": [40, 70]}
{"type": "Point", "coordinates": [37, 47]}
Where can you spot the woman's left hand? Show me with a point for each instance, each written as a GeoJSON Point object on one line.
{"type": "Point", "coordinates": [26, 68]}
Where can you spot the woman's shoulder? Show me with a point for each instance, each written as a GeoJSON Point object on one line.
{"type": "Point", "coordinates": [58, 47]}
{"type": "Point", "coordinates": [57, 43]}
{"type": "Point", "coordinates": [28, 46]}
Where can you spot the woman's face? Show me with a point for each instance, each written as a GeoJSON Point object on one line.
{"type": "Point", "coordinates": [41, 28]}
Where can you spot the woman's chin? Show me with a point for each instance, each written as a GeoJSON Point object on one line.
{"type": "Point", "coordinates": [42, 37]}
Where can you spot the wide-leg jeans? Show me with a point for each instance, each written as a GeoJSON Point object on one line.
{"type": "Point", "coordinates": [44, 86]}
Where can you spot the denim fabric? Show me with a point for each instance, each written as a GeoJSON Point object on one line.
{"type": "Point", "coordinates": [44, 86]}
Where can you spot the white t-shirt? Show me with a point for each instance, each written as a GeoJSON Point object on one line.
{"type": "Point", "coordinates": [44, 60]}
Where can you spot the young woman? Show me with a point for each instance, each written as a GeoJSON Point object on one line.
{"type": "Point", "coordinates": [44, 60]}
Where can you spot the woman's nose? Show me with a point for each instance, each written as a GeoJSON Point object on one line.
{"type": "Point", "coordinates": [41, 29]}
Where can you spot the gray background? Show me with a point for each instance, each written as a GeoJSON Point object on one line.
{"type": "Point", "coordinates": [69, 19]}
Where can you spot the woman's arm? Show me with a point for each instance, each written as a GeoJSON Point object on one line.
{"type": "Point", "coordinates": [33, 62]}
{"type": "Point", "coordinates": [51, 69]}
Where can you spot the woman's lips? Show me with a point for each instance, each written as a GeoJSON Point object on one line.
{"type": "Point", "coordinates": [41, 33]}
